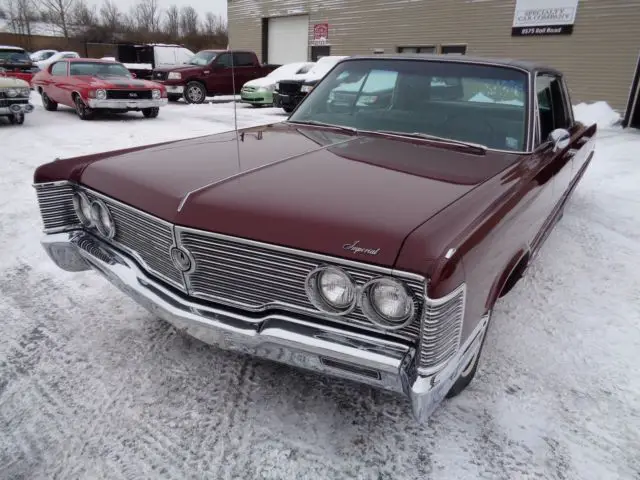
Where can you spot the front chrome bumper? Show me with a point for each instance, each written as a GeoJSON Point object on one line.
{"type": "Point", "coordinates": [127, 104]}
{"type": "Point", "coordinates": [16, 108]}
{"type": "Point", "coordinates": [284, 338]}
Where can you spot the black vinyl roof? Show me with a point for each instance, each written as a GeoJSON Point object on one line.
{"type": "Point", "coordinates": [530, 67]}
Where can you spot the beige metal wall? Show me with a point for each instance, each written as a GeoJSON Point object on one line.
{"type": "Point", "coordinates": [598, 58]}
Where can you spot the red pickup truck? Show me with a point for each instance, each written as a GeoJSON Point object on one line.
{"type": "Point", "coordinates": [209, 73]}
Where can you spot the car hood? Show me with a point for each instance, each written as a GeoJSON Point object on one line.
{"type": "Point", "coordinates": [8, 82]}
{"type": "Point", "coordinates": [116, 82]}
{"type": "Point", "coordinates": [260, 82]}
{"type": "Point", "coordinates": [308, 188]}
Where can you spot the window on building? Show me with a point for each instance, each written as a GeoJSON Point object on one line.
{"type": "Point", "coordinates": [454, 49]}
{"type": "Point", "coordinates": [423, 49]}
{"type": "Point", "coordinates": [552, 111]}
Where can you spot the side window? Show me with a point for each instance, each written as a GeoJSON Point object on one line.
{"type": "Point", "coordinates": [59, 69]}
{"type": "Point", "coordinates": [243, 59]}
{"type": "Point", "coordinates": [552, 108]}
{"type": "Point", "coordinates": [224, 60]}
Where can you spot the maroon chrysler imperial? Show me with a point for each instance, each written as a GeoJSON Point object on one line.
{"type": "Point", "coordinates": [368, 237]}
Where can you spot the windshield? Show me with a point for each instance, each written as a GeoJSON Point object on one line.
{"type": "Point", "coordinates": [96, 69]}
{"type": "Point", "coordinates": [202, 58]}
{"type": "Point", "coordinates": [289, 70]}
{"type": "Point", "coordinates": [458, 101]}
{"type": "Point", "coordinates": [14, 56]}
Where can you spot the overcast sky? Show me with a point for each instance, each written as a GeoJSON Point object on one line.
{"type": "Point", "coordinates": [202, 6]}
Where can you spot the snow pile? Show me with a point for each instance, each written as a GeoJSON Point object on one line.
{"type": "Point", "coordinates": [598, 112]}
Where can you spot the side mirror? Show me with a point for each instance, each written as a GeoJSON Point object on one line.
{"type": "Point", "coordinates": [559, 139]}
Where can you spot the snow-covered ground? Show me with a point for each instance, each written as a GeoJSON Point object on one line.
{"type": "Point", "coordinates": [92, 386]}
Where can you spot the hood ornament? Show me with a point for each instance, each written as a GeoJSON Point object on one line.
{"type": "Point", "coordinates": [355, 248]}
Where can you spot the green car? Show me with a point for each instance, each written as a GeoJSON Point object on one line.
{"type": "Point", "coordinates": [259, 92]}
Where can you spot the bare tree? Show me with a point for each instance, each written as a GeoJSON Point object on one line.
{"type": "Point", "coordinates": [212, 24]}
{"type": "Point", "coordinates": [172, 22]}
{"type": "Point", "coordinates": [146, 15]}
{"type": "Point", "coordinates": [83, 15]}
{"type": "Point", "coordinates": [110, 16]}
{"type": "Point", "coordinates": [59, 13]}
{"type": "Point", "coordinates": [21, 14]}
{"type": "Point", "coordinates": [188, 21]}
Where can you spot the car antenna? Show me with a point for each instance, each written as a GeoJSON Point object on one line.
{"type": "Point", "coordinates": [235, 112]}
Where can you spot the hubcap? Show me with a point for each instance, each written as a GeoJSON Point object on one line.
{"type": "Point", "coordinates": [195, 93]}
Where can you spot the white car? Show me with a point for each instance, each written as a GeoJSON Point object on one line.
{"type": "Point", "coordinates": [290, 91]}
{"type": "Point", "coordinates": [260, 90]}
{"type": "Point", "coordinates": [42, 55]}
{"type": "Point", "coordinates": [42, 64]}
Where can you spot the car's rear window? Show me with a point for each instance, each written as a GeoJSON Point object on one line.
{"type": "Point", "coordinates": [476, 103]}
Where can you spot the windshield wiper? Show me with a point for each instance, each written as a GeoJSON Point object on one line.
{"type": "Point", "coordinates": [426, 136]}
{"type": "Point", "coordinates": [330, 125]}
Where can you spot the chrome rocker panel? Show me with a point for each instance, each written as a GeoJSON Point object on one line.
{"type": "Point", "coordinates": [283, 338]}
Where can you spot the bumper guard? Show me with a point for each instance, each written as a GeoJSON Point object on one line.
{"type": "Point", "coordinates": [284, 338]}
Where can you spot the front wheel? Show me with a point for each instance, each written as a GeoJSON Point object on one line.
{"type": "Point", "coordinates": [16, 119]}
{"type": "Point", "coordinates": [194, 92]}
{"type": "Point", "coordinates": [84, 112]}
{"type": "Point", "coordinates": [470, 370]}
{"type": "Point", "coordinates": [47, 103]}
{"type": "Point", "coordinates": [151, 112]}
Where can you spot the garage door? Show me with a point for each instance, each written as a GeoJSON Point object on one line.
{"type": "Point", "coordinates": [288, 39]}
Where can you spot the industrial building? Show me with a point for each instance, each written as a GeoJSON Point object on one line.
{"type": "Point", "coordinates": [596, 43]}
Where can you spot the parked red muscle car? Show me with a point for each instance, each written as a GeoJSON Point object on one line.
{"type": "Point", "coordinates": [91, 86]}
{"type": "Point", "coordinates": [368, 242]}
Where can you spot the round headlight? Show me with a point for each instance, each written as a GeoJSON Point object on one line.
{"type": "Point", "coordinates": [155, 94]}
{"type": "Point", "coordinates": [101, 94]}
{"type": "Point", "coordinates": [102, 219]}
{"type": "Point", "coordinates": [387, 303]}
{"type": "Point", "coordinates": [82, 207]}
{"type": "Point", "coordinates": [24, 92]}
{"type": "Point", "coordinates": [331, 290]}
{"type": "Point", "coordinates": [12, 92]}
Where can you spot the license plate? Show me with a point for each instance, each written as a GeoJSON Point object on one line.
{"type": "Point", "coordinates": [132, 105]}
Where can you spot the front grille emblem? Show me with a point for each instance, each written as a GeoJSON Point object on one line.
{"type": "Point", "coordinates": [181, 259]}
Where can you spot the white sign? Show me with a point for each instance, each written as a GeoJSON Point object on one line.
{"type": "Point", "coordinates": [544, 17]}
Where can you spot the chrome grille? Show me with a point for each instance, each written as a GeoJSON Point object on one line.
{"type": "Point", "coordinates": [441, 329]}
{"type": "Point", "coordinates": [56, 206]}
{"type": "Point", "coordinates": [144, 236]}
{"type": "Point", "coordinates": [252, 276]}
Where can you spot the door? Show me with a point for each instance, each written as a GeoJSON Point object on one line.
{"type": "Point", "coordinates": [219, 79]}
{"type": "Point", "coordinates": [554, 113]}
{"type": "Point", "coordinates": [632, 112]}
{"type": "Point", "coordinates": [55, 89]}
{"type": "Point", "coordinates": [319, 51]}
{"type": "Point", "coordinates": [245, 69]}
{"type": "Point", "coordinates": [288, 39]}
